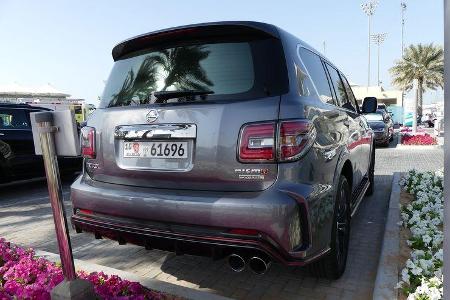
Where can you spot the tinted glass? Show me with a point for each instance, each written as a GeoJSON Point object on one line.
{"type": "Point", "coordinates": [351, 97]}
{"type": "Point", "coordinates": [338, 85]}
{"type": "Point", "coordinates": [315, 69]}
{"type": "Point", "coordinates": [78, 110]}
{"type": "Point", "coordinates": [305, 86]}
{"type": "Point", "coordinates": [226, 70]}
{"type": "Point", "coordinates": [13, 119]}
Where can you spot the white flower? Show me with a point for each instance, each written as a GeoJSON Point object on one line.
{"type": "Point", "coordinates": [424, 217]}
{"type": "Point", "coordinates": [426, 239]}
{"type": "Point", "coordinates": [405, 275]}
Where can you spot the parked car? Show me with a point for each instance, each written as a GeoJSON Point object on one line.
{"type": "Point", "coordinates": [382, 125]}
{"type": "Point", "coordinates": [228, 139]}
{"type": "Point", "coordinates": [18, 160]}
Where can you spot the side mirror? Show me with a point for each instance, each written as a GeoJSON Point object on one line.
{"type": "Point", "coordinates": [370, 105]}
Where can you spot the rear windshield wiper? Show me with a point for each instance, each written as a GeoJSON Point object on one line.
{"type": "Point", "coordinates": [163, 96]}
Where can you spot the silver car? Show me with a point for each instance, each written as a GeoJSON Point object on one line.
{"type": "Point", "coordinates": [232, 140]}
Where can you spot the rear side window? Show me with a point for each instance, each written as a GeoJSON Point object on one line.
{"type": "Point", "coordinates": [351, 97]}
{"type": "Point", "coordinates": [338, 85]}
{"type": "Point", "coordinates": [226, 70]}
{"type": "Point", "coordinates": [305, 86]}
{"type": "Point", "coordinates": [314, 66]}
{"type": "Point", "coordinates": [14, 119]}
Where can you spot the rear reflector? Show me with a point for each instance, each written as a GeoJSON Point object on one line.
{"type": "Point", "coordinates": [257, 143]}
{"type": "Point", "coordinates": [85, 211]}
{"type": "Point", "coordinates": [87, 141]}
{"type": "Point", "coordinates": [244, 231]}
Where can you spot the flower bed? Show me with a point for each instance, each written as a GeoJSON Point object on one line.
{"type": "Point", "coordinates": [25, 276]}
{"type": "Point", "coordinates": [418, 139]}
{"type": "Point", "coordinates": [422, 216]}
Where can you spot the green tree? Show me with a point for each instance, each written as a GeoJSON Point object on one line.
{"type": "Point", "coordinates": [181, 68]}
{"type": "Point", "coordinates": [424, 63]}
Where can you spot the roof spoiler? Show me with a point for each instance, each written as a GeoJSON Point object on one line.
{"type": "Point", "coordinates": [193, 32]}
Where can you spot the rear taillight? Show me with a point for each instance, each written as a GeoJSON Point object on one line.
{"type": "Point", "coordinates": [257, 143]}
{"type": "Point", "coordinates": [295, 139]}
{"type": "Point", "coordinates": [87, 141]}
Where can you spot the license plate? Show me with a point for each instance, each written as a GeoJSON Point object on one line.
{"type": "Point", "coordinates": [155, 149]}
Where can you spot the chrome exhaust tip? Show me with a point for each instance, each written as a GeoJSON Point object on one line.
{"type": "Point", "coordinates": [236, 262]}
{"type": "Point", "coordinates": [259, 265]}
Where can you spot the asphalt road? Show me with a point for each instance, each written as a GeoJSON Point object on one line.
{"type": "Point", "coordinates": [26, 219]}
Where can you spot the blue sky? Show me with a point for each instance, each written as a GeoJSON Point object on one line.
{"type": "Point", "coordinates": [68, 43]}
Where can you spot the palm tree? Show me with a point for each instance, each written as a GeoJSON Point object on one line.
{"type": "Point", "coordinates": [182, 69]}
{"type": "Point", "coordinates": [424, 63]}
{"type": "Point", "coordinates": [136, 88]}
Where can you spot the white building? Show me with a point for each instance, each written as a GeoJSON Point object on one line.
{"type": "Point", "coordinates": [45, 94]}
{"type": "Point", "coordinates": [388, 97]}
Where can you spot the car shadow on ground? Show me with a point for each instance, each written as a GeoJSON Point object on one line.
{"type": "Point", "coordinates": [357, 281]}
{"type": "Point", "coordinates": [392, 144]}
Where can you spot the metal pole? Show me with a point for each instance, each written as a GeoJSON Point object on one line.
{"type": "Point", "coordinates": [378, 71]}
{"type": "Point", "coordinates": [46, 135]}
{"type": "Point", "coordinates": [416, 99]}
{"type": "Point", "coordinates": [403, 29]}
{"type": "Point", "coordinates": [446, 149]}
{"type": "Point", "coordinates": [368, 56]}
{"type": "Point", "coordinates": [378, 39]}
{"type": "Point", "coordinates": [403, 8]}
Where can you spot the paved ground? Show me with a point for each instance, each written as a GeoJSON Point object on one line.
{"type": "Point", "coordinates": [25, 218]}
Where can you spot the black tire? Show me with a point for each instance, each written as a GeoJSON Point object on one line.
{"type": "Point", "coordinates": [371, 174]}
{"type": "Point", "coordinates": [332, 266]}
{"type": "Point", "coordinates": [391, 138]}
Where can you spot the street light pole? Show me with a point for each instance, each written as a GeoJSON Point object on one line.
{"type": "Point", "coordinates": [369, 10]}
{"type": "Point", "coordinates": [403, 6]}
{"type": "Point", "coordinates": [378, 39]}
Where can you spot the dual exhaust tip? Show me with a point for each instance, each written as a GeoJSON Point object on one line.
{"type": "Point", "coordinates": [257, 264]}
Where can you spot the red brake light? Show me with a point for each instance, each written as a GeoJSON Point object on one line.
{"type": "Point", "coordinates": [296, 137]}
{"type": "Point", "coordinates": [86, 211]}
{"type": "Point", "coordinates": [257, 143]}
{"type": "Point", "coordinates": [88, 142]}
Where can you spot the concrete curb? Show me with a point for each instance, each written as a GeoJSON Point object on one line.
{"type": "Point", "coordinates": [417, 147]}
{"type": "Point", "coordinates": [387, 272]}
{"type": "Point", "coordinates": [154, 284]}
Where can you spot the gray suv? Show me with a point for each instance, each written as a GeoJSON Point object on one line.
{"type": "Point", "coordinates": [232, 140]}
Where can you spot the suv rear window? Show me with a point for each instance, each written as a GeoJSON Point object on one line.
{"type": "Point", "coordinates": [227, 70]}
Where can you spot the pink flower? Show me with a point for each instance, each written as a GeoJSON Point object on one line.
{"type": "Point", "coordinates": [418, 139]}
{"type": "Point", "coordinates": [23, 276]}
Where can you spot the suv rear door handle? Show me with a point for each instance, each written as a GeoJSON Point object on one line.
{"type": "Point", "coordinates": [347, 123]}
{"type": "Point", "coordinates": [1, 134]}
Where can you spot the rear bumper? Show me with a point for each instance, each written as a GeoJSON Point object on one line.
{"type": "Point", "coordinates": [199, 222]}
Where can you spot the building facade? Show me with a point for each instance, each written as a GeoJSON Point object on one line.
{"type": "Point", "coordinates": [388, 97]}
{"type": "Point", "coordinates": [45, 94]}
